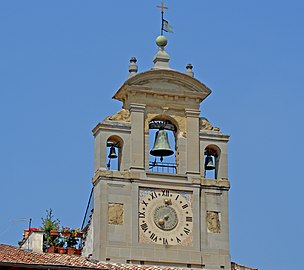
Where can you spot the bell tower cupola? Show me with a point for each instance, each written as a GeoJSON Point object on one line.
{"type": "Point", "coordinates": [160, 173]}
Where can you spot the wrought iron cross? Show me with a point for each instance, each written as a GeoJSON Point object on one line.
{"type": "Point", "coordinates": [162, 7]}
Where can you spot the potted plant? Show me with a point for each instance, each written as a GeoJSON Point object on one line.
{"type": "Point", "coordinates": [61, 248]}
{"type": "Point", "coordinates": [54, 233]}
{"type": "Point", "coordinates": [52, 249]}
{"type": "Point", "coordinates": [71, 243]}
{"type": "Point", "coordinates": [77, 232]}
{"type": "Point", "coordinates": [65, 231]}
{"type": "Point", "coordinates": [49, 223]}
{"type": "Point", "coordinates": [77, 251]}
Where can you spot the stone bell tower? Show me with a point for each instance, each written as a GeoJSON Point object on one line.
{"type": "Point", "coordinates": [169, 208]}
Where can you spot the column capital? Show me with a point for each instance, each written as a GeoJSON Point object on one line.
{"type": "Point", "coordinates": [137, 107]}
{"type": "Point", "coordinates": [192, 113]}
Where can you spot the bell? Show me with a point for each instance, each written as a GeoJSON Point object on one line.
{"type": "Point", "coordinates": [161, 146]}
{"type": "Point", "coordinates": [112, 153]}
{"type": "Point", "coordinates": [209, 163]}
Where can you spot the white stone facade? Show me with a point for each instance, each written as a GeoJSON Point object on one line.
{"type": "Point", "coordinates": [160, 94]}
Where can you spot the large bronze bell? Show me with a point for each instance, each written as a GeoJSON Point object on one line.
{"type": "Point", "coordinates": [161, 146]}
{"type": "Point", "coordinates": [112, 153]}
{"type": "Point", "coordinates": [209, 163]}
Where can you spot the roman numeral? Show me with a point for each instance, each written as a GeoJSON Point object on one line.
{"type": "Point", "coordinates": [185, 206]}
{"type": "Point", "coordinates": [144, 227]}
{"type": "Point", "coordinates": [153, 195]}
{"type": "Point", "coordinates": [165, 241]}
{"type": "Point", "coordinates": [153, 237]}
{"type": "Point", "coordinates": [177, 197]}
{"type": "Point", "coordinates": [186, 230]}
{"type": "Point", "coordinates": [165, 193]}
{"type": "Point", "coordinates": [189, 219]}
{"type": "Point", "coordinates": [141, 214]}
{"type": "Point", "coordinates": [146, 204]}
{"type": "Point", "coordinates": [178, 240]}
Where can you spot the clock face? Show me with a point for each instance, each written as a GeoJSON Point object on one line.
{"type": "Point", "coordinates": [165, 217]}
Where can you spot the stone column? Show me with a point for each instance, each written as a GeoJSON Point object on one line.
{"type": "Point", "coordinates": [192, 146]}
{"type": "Point", "coordinates": [137, 142]}
{"type": "Point", "coordinates": [100, 152]}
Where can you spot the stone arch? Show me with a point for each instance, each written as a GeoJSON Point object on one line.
{"type": "Point", "coordinates": [118, 143]}
{"type": "Point", "coordinates": [173, 124]}
{"type": "Point", "coordinates": [215, 152]}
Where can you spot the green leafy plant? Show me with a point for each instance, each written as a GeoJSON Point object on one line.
{"type": "Point", "coordinates": [50, 223]}
{"type": "Point", "coordinates": [74, 232]}
{"type": "Point", "coordinates": [71, 241]}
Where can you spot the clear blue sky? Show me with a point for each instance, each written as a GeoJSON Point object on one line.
{"type": "Point", "coordinates": [61, 62]}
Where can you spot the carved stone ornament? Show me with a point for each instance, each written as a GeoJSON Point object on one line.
{"type": "Point", "coordinates": [206, 125]}
{"type": "Point", "coordinates": [213, 222]}
{"type": "Point", "coordinates": [122, 115]}
{"type": "Point", "coordinates": [115, 213]}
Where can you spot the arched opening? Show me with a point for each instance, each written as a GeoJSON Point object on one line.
{"type": "Point", "coordinates": [114, 152]}
{"type": "Point", "coordinates": [211, 161]}
{"type": "Point", "coordinates": [162, 145]}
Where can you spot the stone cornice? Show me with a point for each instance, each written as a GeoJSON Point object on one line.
{"type": "Point", "coordinates": [215, 183]}
{"type": "Point", "coordinates": [192, 113]}
{"type": "Point", "coordinates": [161, 179]}
{"type": "Point", "coordinates": [141, 82]}
{"type": "Point", "coordinates": [135, 107]}
{"type": "Point", "coordinates": [147, 90]}
{"type": "Point", "coordinates": [112, 125]}
{"type": "Point", "coordinates": [214, 135]}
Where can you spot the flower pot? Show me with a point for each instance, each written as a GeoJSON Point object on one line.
{"type": "Point", "coordinates": [79, 234]}
{"type": "Point", "coordinates": [54, 233]}
{"type": "Point", "coordinates": [62, 250]}
{"type": "Point", "coordinates": [77, 251]}
{"type": "Point", "coordinates": [65, 233]}
{"type": "Point", "coordinates": [71, 251]}
{"type": "Point", "coordinates": [52, 249]}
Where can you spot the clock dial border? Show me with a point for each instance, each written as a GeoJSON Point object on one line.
{"type": "Point", "coordinates": [149, 200]}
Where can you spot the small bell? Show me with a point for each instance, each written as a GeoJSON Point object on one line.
{"type": "Point", "coordinates": [209, 163]}
{"type": "Point", "coordinates": [161, 146]}
{"type": "Point", "coordinates": [112, 153]}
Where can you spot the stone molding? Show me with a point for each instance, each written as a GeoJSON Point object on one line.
{"type": "Point", "coordinates": [214, 136]}
{"type": "Point", "coordinates": [194, 86]}
{"type": "Point", "coordinates": [113, 126]}
{"type": "Point", "coordinates": [136, 107]}
{"type": "Point", "coordinates": [192, 113]}
{"type": "Point", "coordinates": [158, 178]}
{"type": "Point", "coordinates": [215, 183]}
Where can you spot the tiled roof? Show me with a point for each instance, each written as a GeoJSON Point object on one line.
{"type": "Point", "coordinates": [14, 255]}
{"type": "Point", "coordinates": [10, 255]}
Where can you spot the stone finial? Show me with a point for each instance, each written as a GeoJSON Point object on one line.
{"type": "Point", "coordinates": [133, 68]}
{"type": "Point", "coordinates": [161, 59]}
{"type": "Point", "coordinates": [189, 71]}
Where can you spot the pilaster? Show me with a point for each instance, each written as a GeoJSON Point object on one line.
{"type": "Point", "coordinates": [137, 144]}
{"type": "Point", "coordinates": [192, 145]}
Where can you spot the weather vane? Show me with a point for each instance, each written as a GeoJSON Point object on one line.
{"type": "Point", "coordinates": [165, 26]}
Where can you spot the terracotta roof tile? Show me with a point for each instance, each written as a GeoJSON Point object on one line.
{"type": "Point", "coordinates": [10, 254]}
{"type": "Point", "coordinates": [15, 255]}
